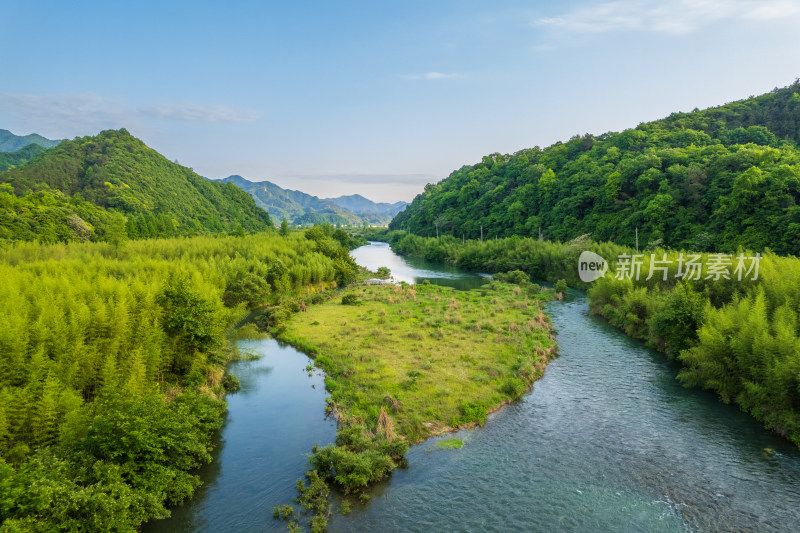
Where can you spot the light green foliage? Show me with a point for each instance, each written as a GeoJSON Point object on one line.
{"type": "Point", "coordinates": [740, 339]}
{"type": "Point", "coordinates": [450, 444]}
{"type": "Point", "coordinates": [718, 179]}
{"type": "Point", "coordinates": [411, 362]}
{"type": "Point", "coordinates": [430, 356]}
{"type": "Point", "coordinates": [112, 366]}
{"type": "Point", "coordinates": [113, 187]}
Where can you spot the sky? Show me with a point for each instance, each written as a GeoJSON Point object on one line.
{"type": "Point", "coordinates": [377, 98]}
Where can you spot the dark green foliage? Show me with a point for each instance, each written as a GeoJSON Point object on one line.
{"type": "Point", "coordinates": [514, 388]}
{"type": "Point", "coordinates": [384, 273]}
{"type": "Point", "coordinates": [284, 227]}
{"type": "Point", "coordinates": [678, 320]}
{"type": "Point", "coordinates": [350, 299]}
{"type": "Point", "coordinates": [717, 180]}
{"type": "Point", "coordinates": [517, 277]}
{"type": "Point", "coordinates": [358, 458]}
{"type": "Point", "coordinates": [249, 288]}
{"type": "Point", "coordinates": [313, 499]}
{"type": "Point", "coordinates": [114, 180]}
{"type": "Point", "coordinates": [20, 157]}
{"type": "Point", "coordinates": [132, 460]}
{"type": "Point", "coordinates": [188, 317]}
{"type": "Point", "coordinates": [472, 413]}
{"type": "Point", "coordinates": [561, 286]}
{"type": "Point", "coordinates": [230, 383]}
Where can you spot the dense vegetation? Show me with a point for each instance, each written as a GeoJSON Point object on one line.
{"type": "Point", "coordinates": [739, 338]}
{"type": "Point", "coordinates": [11, 143]}
{"type": "Point", "coordinates": [403, 363]}
{"type": "Point", "coordinates": [708, 180]}
{"type": "Point", "coordinates": [20, 157]}
{"type": "Point", "coordinates": [111, 187]}
{"type": "Point", "coordinates": [111, 374]}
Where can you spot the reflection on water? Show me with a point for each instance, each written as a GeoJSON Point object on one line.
{"type": "Point", "coordinates": [275, 418]}
{"type": "Point", "coordinates": [378, 254]}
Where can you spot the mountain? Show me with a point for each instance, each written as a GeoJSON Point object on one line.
{"type": "Point", "coordinates": [711, 180]}
{"type": "Point", "coordinates": [19, 157]}
{"type": "Point", "coordinates": [301, 208]}
{"type": "Point", "coordinates": [11, 143]}
{"type": "Point", "coordinates": [358, 204]}
{"type": "Point", "coordinates": [113, 186]}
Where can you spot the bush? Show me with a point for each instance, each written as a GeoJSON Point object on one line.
{"type": "Point", "coordinates": [472, 412]}
{"type": "Point", "coordinates": [350, 299]}
{"type": "Point", "coordinates": [561, 286]}
{"type": "Point", "coordinates": [514, 388]}
{"type": "Point", "coordinates": [517, 277]}
{"type": "Point", "coordinates": [230, 383]}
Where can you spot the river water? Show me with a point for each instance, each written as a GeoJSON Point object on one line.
{"type": "Point", "coordinates": [607, 440]}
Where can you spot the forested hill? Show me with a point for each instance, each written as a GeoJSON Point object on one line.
{"type": "Point", "coordinates": [11, 143]}
{"type": "Point", "coordinates": [707, 180]}
{"type": "Point", "coordinates": [113, 186]}
{"type": "Point", "coordinates": [19, 157]}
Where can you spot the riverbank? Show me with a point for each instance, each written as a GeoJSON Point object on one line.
{"type": "Point", "coordinates": [433, 358]}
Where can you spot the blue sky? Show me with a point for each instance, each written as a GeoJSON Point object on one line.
{"type": "Point", "coordinates": [377, 97]}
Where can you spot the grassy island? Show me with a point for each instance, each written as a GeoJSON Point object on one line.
{"type": "Point", "coordinates": [404, 363]}
{"type": "Point", "coordinates": [433, 358]}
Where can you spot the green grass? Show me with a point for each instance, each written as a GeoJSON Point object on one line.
{"type": "Point", "coordinates": [433, 358]}
{"type": "Point", "coordinates": [450, 444]}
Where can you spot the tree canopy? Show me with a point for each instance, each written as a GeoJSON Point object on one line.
{"type": "Point", "coordinates": [716, 179]}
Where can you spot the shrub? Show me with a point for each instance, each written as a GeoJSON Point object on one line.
{"type": "Point", "coordinates": [350, 299]}
{"type": "Point", "coordinates": [230, 383]}
{"type": "Point", "coordinates": [514, 388]}
{"type": "Point", "coordinates": [472, 412]}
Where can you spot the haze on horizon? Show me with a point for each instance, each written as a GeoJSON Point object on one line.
{"type": "Point", "coordinates": [336, 99]}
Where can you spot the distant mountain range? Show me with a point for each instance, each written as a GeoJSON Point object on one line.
{"type": "Point", "coordinates": [11, 143]}
{"type": "Point", "coordinates": [301, 208]}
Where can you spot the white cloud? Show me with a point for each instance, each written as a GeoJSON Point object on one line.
{"type": "Point", "coordinates": [432, 76]}
{"type": "Point", "coordinates": [667, 16]}
{"type": "Point", "coordinates": [200, 113]}
{"type": "Point", "coordinates": [66, 115]}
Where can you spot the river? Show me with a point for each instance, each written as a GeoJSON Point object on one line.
{"type": "Point", "coordinates": [607, 440]}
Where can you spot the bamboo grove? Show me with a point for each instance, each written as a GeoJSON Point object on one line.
{"type": "Point", "coordinates": [112, 367]}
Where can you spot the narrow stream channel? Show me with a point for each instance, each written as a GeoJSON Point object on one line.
{"type": "Point", "coordinates": [606, 441]}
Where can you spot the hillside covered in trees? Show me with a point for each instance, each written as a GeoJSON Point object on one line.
{"type": "Point", "coordinates": [706, 180]}
{"type": "Point", "coordinates": [19, 157]}
{"type": "Point", "coordinates": [111, 187]}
